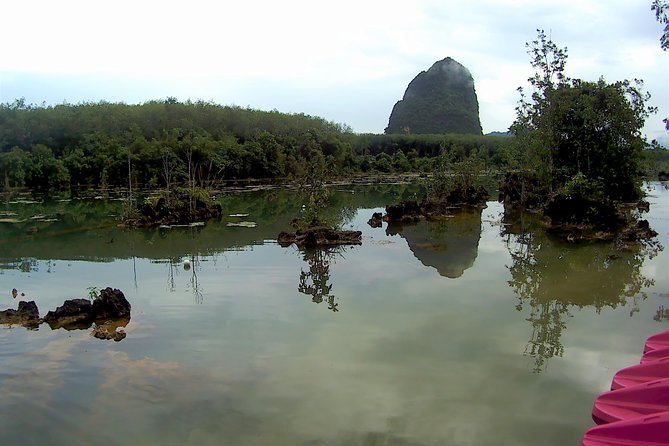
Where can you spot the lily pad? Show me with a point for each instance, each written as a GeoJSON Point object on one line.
{"type": "Point", "coordinates": [243, 224]}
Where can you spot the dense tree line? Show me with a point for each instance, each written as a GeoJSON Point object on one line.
{"type": "Point", "coordinates": [169, 142]}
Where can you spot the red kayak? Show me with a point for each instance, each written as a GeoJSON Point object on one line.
{"type": "Point", "coordinates": [652, 430]}
{"type": "Point", "coordinates": [641, 373]}
{"type": "Point", "coordinates": [632, 402]}
{"type": "Point", "coordinates": [656, 342]}
{"type": "Point", "coordinates": [654, 355]}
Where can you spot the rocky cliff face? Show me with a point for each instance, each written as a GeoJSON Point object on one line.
{"type": "Point", "coordinates": [439, 100]}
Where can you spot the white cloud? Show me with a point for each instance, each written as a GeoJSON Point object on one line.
{"type": "Point", "coordinates": [313, 57]}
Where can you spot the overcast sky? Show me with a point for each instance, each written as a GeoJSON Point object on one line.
{"type": "Point", "coordinates": [348, 61]}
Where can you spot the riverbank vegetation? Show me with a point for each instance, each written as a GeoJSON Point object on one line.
{"type": "Point", "coordinates": [576, 153]}
{"type": "Point", "coordinates": [578, 149]}
{"type": "Point", "coordinates": [165, 143]}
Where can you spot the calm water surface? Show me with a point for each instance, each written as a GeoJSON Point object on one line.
{"type": "Point", "coordinates": [477, 330]}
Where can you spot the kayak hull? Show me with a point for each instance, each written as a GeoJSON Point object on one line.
{"type": "Point", "coordinates": [641, 373]}
{"type": "Point", "coordinates": [652, 430]}
{"type": "Point", "coordinates": [632, 402]}
{"type": "Point", "coordinates": [656, 342]}
{"type": "Point", "coordinates": [654, 355]}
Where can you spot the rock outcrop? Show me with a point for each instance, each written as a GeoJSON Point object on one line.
{"type": "Point", "coordinates": [111, 304]}
{"type": "Point", "coordinates": [313, 237]}
{"type": "Point", "coordinates": [109, 311]}
{"type": "Point", "coordinates": [73, 314]}
{"type": "Point", "coordinates": [411, 211]}
{"type": "Point", "coordinates": [182, 208]}
{"type": "Point", "coordinates": [439, 100]}
{"type": "Point", "coordinates": [26, 315]}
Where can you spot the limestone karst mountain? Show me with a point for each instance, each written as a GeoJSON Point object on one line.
{"type": "Point", "coordinates": [439, 100]}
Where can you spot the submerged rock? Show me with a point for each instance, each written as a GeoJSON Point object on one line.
{"type": "Point", "coordinates": [111, 330]}
{"type": "Point", "coordinates": [376, 221]}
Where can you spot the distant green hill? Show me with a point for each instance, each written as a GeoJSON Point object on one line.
{"type": "Point", "coordinates": [439, 100]}
{"type": "Point", "coordinates": [500, 134]}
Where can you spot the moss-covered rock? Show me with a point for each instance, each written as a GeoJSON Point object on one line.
{"type": "Point", "coordinates": [180, 207]}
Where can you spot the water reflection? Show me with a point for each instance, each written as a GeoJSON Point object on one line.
{"type": "Point", "coordinates": [450, 246]}
{"type": "Point", "coordinates": [315, 282]}
{"type": "Point", "coordinates": [662, 314]}
{"type": "Point", "coordinates": [191, 265]}
{"type": "Point", "coordinates": [550, 277]}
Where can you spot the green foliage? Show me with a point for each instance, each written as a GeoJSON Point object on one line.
{"type": "Point", "coordinates": [584, 201]}
{"type": "Point", "coordinates": [316, 196]}
{"type": "Point", "coordinates": [92, 293]}
{"type": "Point", "coordinates": [168, 143]}
{"type": "Point", "coordinates": [656, 162]}
{"type": "Point", "coordinates": [661, 9]}
{"type": "Point", "coordinates": [455, 173]}
{"type": "Point", "coordinates": [90, 143]}
{"type": "Point", "coordinates": [577, 129]}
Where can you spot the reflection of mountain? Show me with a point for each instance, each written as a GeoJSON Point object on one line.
{"type": "Point", "coordinates": [450, 246]}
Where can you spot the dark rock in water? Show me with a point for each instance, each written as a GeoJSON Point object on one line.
{"type": "Point", "coordinates": [286, 238]}
{"type": "Point", "coordinates": [640, 231]}
{"type": "Point", "coordinates": [524, 190]}
{"type": "Point", "coordinates": [111, 304]}
{"type": "Point", "coordinates": [26, 315]}
{"type": "Point", "coordinates": [412, 211]}
{"type": "Point", "coordinates": [181, 208]}
{"type": "Point", "coordinates": [467, 196]}
{"type": "Point", "coordinates": [28, 310]}
{"type": "Point", "coordinates": [314, 237]}
{"type": "Point", "coordinates": [406, 211]}
{"type": "Point", "coordinates": [376, 221]}
{"type": "Point", "coordinates": [643, 206]}
{"type": "Point", "coordinates": [110, 310]}
{"type": "Point", "coordinates": [73, 314]}
{"type": "Point", "coordinates": [439, 100]}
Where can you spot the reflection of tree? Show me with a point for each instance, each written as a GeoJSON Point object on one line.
{"type": "Point", "coordinates": [662, 314]}
{"type": "Point", "coordinates": [550, 276]}
{"type": "Point", "coordinates": [315, 282]}
{"type": "Point", "coordinates": [547, 327]}
{"type": "Point", "coordinates": [195, 286]}
{"type": "Point", "coordinates": [190, 266]}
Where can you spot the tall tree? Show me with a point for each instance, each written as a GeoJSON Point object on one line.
{"type": "Point", "coordinates": [574, 130]}
{"type": "Point", "coordinates": [661, 9]}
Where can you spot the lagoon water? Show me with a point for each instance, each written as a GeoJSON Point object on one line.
{"type": "Point", "coordinates": [477, 330]}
